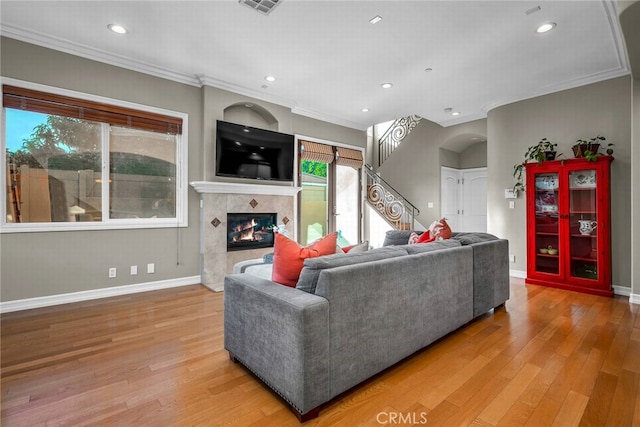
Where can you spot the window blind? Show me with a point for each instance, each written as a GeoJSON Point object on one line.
{"type": "Point", "coordinates": [349, 157]}
{"type": "Point", "coordinates": [316, 152]}
{"type": "Point", "coordinates": [47, 103]}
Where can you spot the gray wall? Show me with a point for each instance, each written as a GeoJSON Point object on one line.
{"type": "Point", "coordinates": [601, 108]}
{"type": "Point", "coordinates": [52, 263]}
{"type": "Point", "coordinates": [475, 156]}
{"type": "Point", "coordinates": [629, 12]}
{"type": "Point", "coordinates": [414, 167]}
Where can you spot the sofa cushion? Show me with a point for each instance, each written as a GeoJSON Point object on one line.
{"type": "Point", "coordinates": [313, 266]}
{"type": "Point", "coordinates": [431, 246]}
{"type": "Point", "coordinates": [475, 237]}
{"type": "Point", "coordinates": [396, 237]}
{"type": "Point", "coordinates": [289, 256]}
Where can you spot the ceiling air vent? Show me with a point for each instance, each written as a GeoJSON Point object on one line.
{"type": "Point", "coordinates": [263, 6]}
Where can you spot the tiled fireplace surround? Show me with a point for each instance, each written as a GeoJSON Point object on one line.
{"type": "Point", "coordinates": [220, 198]}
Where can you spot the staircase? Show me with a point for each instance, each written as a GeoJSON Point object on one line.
{"type": "Point", "coordinates": [393, 136]}
{"type": "Point", "coordinates": [389, 203]}
{"type": "Point", "coordinates": [392, 206]}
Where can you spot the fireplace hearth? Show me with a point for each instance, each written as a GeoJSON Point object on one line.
{"type": "Point", "coordinates": [250, 230]}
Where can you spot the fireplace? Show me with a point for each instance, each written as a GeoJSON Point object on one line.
{"type": "Point", "coordinates": [250, 230]}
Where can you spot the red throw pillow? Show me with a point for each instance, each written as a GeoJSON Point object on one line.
{"type": "Point", "coordinates": [289, 256]}
{"type": "Point", "coordinates": [426, 237]}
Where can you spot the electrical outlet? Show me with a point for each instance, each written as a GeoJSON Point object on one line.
{"type": "Point", "coordinates": [134, 270]}
{"type": "Point", "coordinates": [112, 272]}
{"type": "Point", "coordinates": [512, 258]}
{"type": "Point", "coordinates": [151, 268]}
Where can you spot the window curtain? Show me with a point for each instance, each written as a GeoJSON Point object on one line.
{"type": "Point", "coordinates": [349, 157]}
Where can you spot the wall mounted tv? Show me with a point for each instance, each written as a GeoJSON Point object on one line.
{"type": "Point", "coordinates": [247, 152]}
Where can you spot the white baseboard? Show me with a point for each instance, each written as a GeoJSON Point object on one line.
{"type": "Point", "coordinates": [621, 290]}
{"type": "Point", "coordinates": [518, 273]}
{"type": "Point", "coordinates": [214, 287]}
{"type": "Point", "coordinates": [29, 303]}
{"type": "Point", "coordinates": [634, 298]}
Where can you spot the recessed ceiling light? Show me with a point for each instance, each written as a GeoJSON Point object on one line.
{"type": "Point", "coordinates": [117, 28]}
{"type": "Point", "coordinates": [375, 19]}
{"type": "Point", "coordinates": [386, 85]}
{"type": "Point", "coordinates": [448, 110]}
{"type": "Point", "coordinates": [270, 78]}
{"type": "Point", "coordinates": [546, 27]}
{"type": "Point", "coordinates": [365, 110]}
{"type": "Point", "coordinates": [428, 69]}
{"type": "Point", "coordinates": [455, 113]}
{"type": "Point", "coordinates": [248, 105]}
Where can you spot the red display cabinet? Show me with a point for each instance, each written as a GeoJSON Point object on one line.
{"type": "Point", "coordinates": [568, 225]}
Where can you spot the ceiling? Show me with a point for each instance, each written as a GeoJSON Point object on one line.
{"type": "Point", "coordinates": [330, 61]}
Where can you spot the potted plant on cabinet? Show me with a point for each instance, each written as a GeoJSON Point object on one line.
{"type": "Point", "coordinates": [590, 150]}
{"type": "Point", "coordinates": [543, 150]}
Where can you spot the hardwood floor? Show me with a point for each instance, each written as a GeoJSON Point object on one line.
{"type": "Point", "coordinates": [552, 358]}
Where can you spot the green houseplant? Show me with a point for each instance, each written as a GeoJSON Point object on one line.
{"type": "Point", "coordinates": [540, 152]}
{"type": "Point", "coordinates": [590, 150]}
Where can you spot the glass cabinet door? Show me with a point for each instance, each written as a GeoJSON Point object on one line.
{"type": "Point", "coordinates": [546, 223]}
{"type": "Point", "coordinates": [583, 224]}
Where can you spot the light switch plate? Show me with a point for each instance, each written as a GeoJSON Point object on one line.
{"type": "Point", "coordinates": [510, 193]}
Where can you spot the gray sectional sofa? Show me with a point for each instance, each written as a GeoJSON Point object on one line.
{"type": "Point", "coordinates": [353, 315]}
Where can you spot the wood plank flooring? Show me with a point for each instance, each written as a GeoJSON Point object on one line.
{"type": "Point", "coordinates": [551, 358]}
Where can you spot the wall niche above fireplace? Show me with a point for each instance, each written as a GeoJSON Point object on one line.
{"type": "Point", "coordinates": [250, 230]}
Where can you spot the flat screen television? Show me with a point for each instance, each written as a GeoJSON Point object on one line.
{"type": "Point", "coordinates": [247, 152]}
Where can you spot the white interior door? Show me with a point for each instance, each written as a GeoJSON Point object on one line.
{"type": "Point", "coordinates": [450, 197]}
{"type": "Point", "coordinates": [463, 198]}
{"type": "Point", "coordinates": [474, 200]}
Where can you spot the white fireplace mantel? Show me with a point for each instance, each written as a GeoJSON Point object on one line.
{"type": "Point", "coordinates": [218, 187]}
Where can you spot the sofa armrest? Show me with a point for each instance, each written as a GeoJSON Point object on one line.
{"type": "Point", "coordinates": [281, 335]}
{"type": "Point", "coordinates": [490, 275]}
{"type": "Point", "coordinates": [241, 266]}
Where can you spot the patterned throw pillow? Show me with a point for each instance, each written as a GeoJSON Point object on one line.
{"type": "Point", "coordinates": [357, 248]}
{"type": "Point", "coordinates": [413, 238]}
{"type": "Point", "coordinates": [426, 237]}
{"type": "Point", "coordinates": [440, 230]}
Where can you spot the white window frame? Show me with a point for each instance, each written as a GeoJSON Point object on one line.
{"type": "Point", "coordinates": [181, 219]}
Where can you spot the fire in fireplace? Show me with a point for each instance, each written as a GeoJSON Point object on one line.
{"type": "Point", "coordinates": [250, 230]}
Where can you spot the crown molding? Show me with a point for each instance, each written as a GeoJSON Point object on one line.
{"type": "Point", "coordinates": [547, 90]}
{"type": "Point", "coordinates": [264, 96]}
{"type": "Point", "coordinates": [331, 119]}
{"type": "Point", "coordinates": [198, 80]}
{"type": "Point", "coordinates": [87, 52]}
